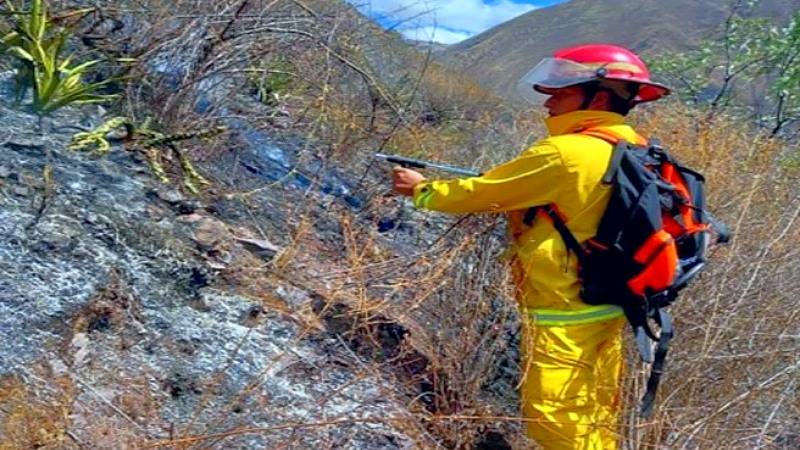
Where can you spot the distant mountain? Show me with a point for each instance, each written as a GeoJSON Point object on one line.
{"type": "Point", "coordinates": [498, 57]}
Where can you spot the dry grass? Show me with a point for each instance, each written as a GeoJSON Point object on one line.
{"type": "Point", "coordinates": [28, 421]}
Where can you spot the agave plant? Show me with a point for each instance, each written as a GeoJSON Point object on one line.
{"type": "Point", "coordinates": [37, 46]}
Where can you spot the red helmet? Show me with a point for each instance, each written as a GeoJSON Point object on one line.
{"type": "Point", "coordinates": [591, 62]}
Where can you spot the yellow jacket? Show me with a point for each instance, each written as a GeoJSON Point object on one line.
{"type": "Point", "coordinates": [566, 169]}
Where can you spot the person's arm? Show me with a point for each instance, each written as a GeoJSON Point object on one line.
{"type": "Point", "coordinates": [529, 180]}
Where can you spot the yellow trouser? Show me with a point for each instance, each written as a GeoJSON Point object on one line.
{"type": "Point", "coordinates": [570, 389]}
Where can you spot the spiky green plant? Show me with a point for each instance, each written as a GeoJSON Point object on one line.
{"type": "Point", "coordinates": [37, 45]}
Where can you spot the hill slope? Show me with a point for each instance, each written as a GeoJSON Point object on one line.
{"type": "Point", "coordinates": [499, 57]}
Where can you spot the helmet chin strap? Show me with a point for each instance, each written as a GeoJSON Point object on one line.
{"type": "Point", "coordinates": [589, 92]}
{"type": "Point", "coordinates": [591, 89]}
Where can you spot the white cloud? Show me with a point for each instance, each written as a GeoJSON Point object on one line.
{"type": "Point", "coordinates": [454, 20]}
{"type": "Point", "coordinates": [436, 34]}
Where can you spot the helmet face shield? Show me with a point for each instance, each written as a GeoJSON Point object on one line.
{"type": "Point", "coordinates": [617, 66]}
{"type": "Point", "coordinates": [554, 73]}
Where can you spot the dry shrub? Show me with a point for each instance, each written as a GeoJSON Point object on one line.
{"type": "Point", "coordinates": [30, 421]}
{"type": "Point", "coordinates": [428, 142]}
{"type": "Point", "coordinates": [452, 96]}
{"type": "Point", "coordinates": [438, 318]}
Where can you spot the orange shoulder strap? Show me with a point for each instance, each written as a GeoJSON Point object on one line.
{"type": "Point", "coordinates": [610, 136]}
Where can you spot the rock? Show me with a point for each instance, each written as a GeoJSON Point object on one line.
{"type": "Point", "coordinates": [54, 235]}
{"type": "Point", "coordinates": [203, 105]}
{"type": "Point", "coordinates": [80, 348]}
{"type": "Point", "coordinates": [170, 196]}
{"type": "Point", "coordinates": [8, 85]}
{"type": "Point", "coordinates": [187, 207]}
{"type": "Point", "coordinates": [25, 143]}
{"type": "Point", "coordinates": [177, 201]}
{"type": "Point", "coordinates": [155, 212]}
{"type": "Point", "coordinates": [21, 191]}
{"type": "Point", "coordinates": [297, 298]}
{"type": "Point", "coordinates": [209, 233]}
{"type": "Point", "coordinates": [217, 265]}
{"type": "Point", "coordinates": [190, 218]}
{"type": "Point", "coordinates": [260, 247]}
{"type": "Point", "coordinates": [4, 172]}
{"type": "Point", "coordinates": [173, 63]}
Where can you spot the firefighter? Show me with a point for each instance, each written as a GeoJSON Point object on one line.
{"type": "Point", "coordinates": [572, 351]}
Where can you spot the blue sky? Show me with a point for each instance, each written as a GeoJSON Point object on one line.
{"type": "Point", "coordinates": [445, 21]}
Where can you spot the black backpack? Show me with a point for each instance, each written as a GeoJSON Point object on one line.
{"type": "Point", "coordinates": [651, 242]}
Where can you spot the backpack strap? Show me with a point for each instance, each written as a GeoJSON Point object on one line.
{"type": "Point", "coordinates": [723, 232]}
{"type": "Point", "coordinates": [659, 361]}
{"type": "Point", "coordinates": [612, 137]}
{"type": "Point", "coordinates": [560, 225]}
{"type": "Point", "coordinates": [616, 159]}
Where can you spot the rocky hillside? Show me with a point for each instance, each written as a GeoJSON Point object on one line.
{"type": "Point", "coordinates": [112, 313]}
{"type": "Point", "coordinates": [498, 57]}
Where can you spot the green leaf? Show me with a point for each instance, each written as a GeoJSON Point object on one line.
{"type": "Point", "coordinates": [81, 68]}
{"type": "Point", "coordinates": [21, 53]}
{"type": "Point", "coordinates": [38, 22]}
{"type": "Point", "coordinates": [11, 38]}
{"type": "Point", "coordinates": [79, 99]}
{"type": "Point", "coordinates": [42, 57]}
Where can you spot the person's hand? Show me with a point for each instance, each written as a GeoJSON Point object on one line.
{"type": "Point", "coordinates": [404, 180]}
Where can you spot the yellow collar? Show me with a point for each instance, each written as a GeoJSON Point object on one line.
{"type": "Point", "coordinates": [580, 120]}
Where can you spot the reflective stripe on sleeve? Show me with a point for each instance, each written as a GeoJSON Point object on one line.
{"type": "Point", "coordinates": [554, 317]}
{"type": "Point", "coordinates": [424, 198]}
